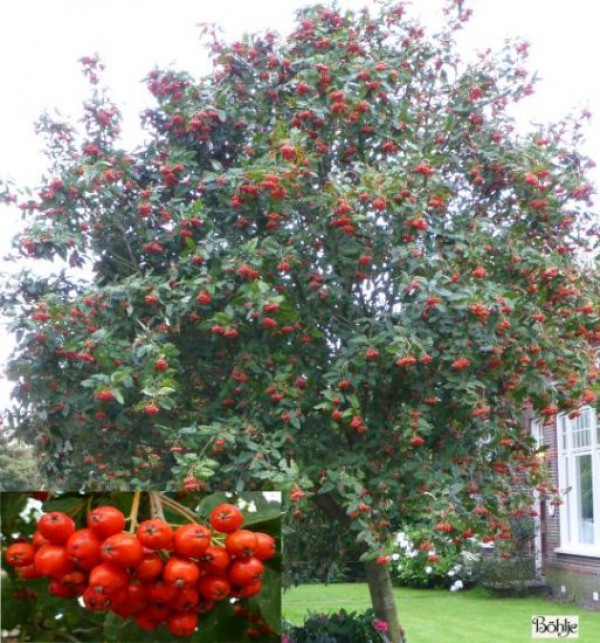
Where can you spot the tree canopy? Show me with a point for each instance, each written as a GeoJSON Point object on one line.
{"type": "Point", "coordinates": [334, 267]}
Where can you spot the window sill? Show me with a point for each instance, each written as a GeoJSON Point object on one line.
{"type": "Point", "coordinates": [591, 552]}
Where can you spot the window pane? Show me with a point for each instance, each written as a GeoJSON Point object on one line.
{"type": "Point", "coordinates": [585, 495]}
{"type": "Point", "coordinates": [581, 427]}
{"type": "Point", "coordinates": [562, 427]}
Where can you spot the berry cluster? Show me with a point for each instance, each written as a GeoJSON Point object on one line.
{"type": "Point", "coordinates": [157, 574]}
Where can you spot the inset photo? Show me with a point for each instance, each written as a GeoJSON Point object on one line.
{"type": "Point", "coordinates": [141, 566]}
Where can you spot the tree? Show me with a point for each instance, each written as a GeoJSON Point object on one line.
{"type": "Point", "coordinates": [334, 268]}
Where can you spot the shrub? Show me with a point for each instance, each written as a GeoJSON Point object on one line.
{"type": "Point", "coordinates": [510, 568]}
{"type": "Point", "coordinates": [423, 563]}
{"type": "Point", "coordinates": [338, 627]}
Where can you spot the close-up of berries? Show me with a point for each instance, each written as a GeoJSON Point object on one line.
{"type": "Point", "coordinates": [150, 573]}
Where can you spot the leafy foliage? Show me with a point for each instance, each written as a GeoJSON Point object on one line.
{"type": "Point", "coordinates": [18, 467]}
{"type": "Point", "coordinates": [338, 627]}
{"type": "Point", "coordinates": [333, 268]}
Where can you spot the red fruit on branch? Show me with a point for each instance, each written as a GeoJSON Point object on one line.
{"type": "Point", "coordinates": [215, 560]}
{"type": "Point", "coordinates": [203, 297]}
{"type": "Point", "coordinates": [191, 541]}
{"type": "Point", "coordinates": [214, 588]}
{"type": "Point", "coordinates": [265, 546]}
{"type": "Point", "coordinates": [241, 543]}
{"type": "Point", "coordinates": [460, 364]}
{"type": "Point", "coordinates": [155, 534]}
{"type": "Point", "coordinates": [183, 624]}
{"type": "Point", "coordinates": [106, 521]}
{"type": "Point", "coordinates": [151, 409]}
{"type": "Point", "coordinates": [245, 571]}
{"type": "Point", "coordinates": [104, 395]}
{"type": "Point", "coordinates": [56, 527]}
{"type": "Point", "coordinates": [150, 568]}
{"type": "Point", "coordinates": [288, 152]}
{"type": "Point", "coordinates": [123, 550]}
{"type": "Point", "coordinates": [226, 518]}
{"type": "Point", "coordinates": [83, 548]}
{"type": "Point", "coordinates": [371, 354]}
{"type": "Point", "coordinates": [107, 578]}
{"type": "Point", "coordinates": [161, 365]}
{"type": "Point", "coordinates": [51, 561]}
{"type": "Point", "coordinates": [19, 555]}
{"type": "Point", "coordinates": [180, 573]}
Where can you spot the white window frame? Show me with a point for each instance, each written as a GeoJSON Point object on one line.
{"type": "Point", "coordinates": [537, 432]}
{"type": "Point", "coordinates": [570, 446]}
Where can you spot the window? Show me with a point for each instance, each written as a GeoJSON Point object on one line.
{"type": "Point", "coordinates": [579, 482]}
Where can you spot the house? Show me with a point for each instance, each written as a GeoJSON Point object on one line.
{"type": "Point", "coordinates": [568, 541]}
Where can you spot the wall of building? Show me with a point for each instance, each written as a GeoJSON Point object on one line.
{"type": "Point", "coordinates": [570, 577]}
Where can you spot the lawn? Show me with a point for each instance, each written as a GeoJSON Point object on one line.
{"type": "Point", "coordinates": [432, 616]}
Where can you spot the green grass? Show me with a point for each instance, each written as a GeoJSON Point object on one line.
{"type": "Point", "coordinates": [441, 616]}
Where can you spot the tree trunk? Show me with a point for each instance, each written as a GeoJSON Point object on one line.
{"type": "Point", "coordinates": [382, 598]}
{"type": "Point", "coordinates": [378, 578]}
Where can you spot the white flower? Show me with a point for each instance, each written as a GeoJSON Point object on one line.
{"type": "Point", "coordinates": [412, 553]}
{"type": "Point", "coordinates": [428, 569]}
{"type": "Point", "coordinates": [451, 573]}
{"type": "Point", "coordinates": [402, 540]}
{"type": "Point", "coordinates": [395, 556]}
{"type": "Point", "coordinates": [458, 584]}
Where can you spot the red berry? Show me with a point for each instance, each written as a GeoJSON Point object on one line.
{"type": "Point", "coordinates": [20, 555]}
{"type": "Point", "coordinates": [241, 543]}
{"type": "Point", "coordinates": [215, 560]}
{"type": "Point", "coordinates": [265, 547]}
{"type": "Point", "coordinates": [134, 602]}
{"type": "Point", "coordinates": [203, 297]}
{"type": "Point", "coordinates": [191, 540]}
{"type": "Point", "coordinates": [151, 409]}
{"type": "Point", "coordinates": [106, 521]}
{"type": "Point", "coordinates": [52, 561]}
{"type": "Point", "coordinates": [56, 527]}
{"type": "Point", "coordinates": [104, 395]}
{"type": "Point", "coordinates": [96, 601]}
{"type": "Point", "coordinates": [161, 365]}
{"type": "Point", "coordinates": [83, 548]}
{"type": "Point", "coordinates": [245, 571]}
{"type": "Point", "coordinates": [185, 599]}
{"type": "Point", "coordinates": [150, 568]}
{"type": "Point", "coordinates": [107, 578]}
{"type": "Point", "coordinates": [182, 624]}
{"type": "Point", "coordinates": [155, 534]}
{"type": "Point", "coordinates": [226, 518]}
{"type": "Point", "coordinates": [160, 592]}
{"type": "Point", "coordinates": [180, 573]}
{"type": "Point", "coordinates": [38, 540]}
{"type": "Point", "coordinates": [123, 549]}
{"type": "Point", "coordinates": [287, 152]}
{"type": "Point", "coordinates": [214, 588]}
{"type": "Point", "coordinates": [144, 622]}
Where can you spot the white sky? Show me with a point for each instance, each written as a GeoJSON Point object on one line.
{"type": "Point", "coordinates": [41, 42]}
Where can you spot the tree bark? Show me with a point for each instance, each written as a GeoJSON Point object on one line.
{"type": "Point", "coordinates": [382, 598]}
{"type": "Point", "coordinates": [378, 577]}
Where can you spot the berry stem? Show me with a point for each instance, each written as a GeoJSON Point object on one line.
{"type": "Point", "coordinates": [176, 507]}
{"type": "Point", "coordinates": [156, 507]}
{"type": "Point", "coordinates": [135, 507]}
